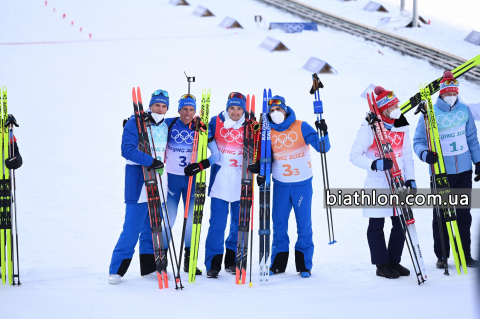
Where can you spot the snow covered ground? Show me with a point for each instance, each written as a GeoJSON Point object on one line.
{"type": "Point", "coordinates": [449, 23]}
{"type": "Point", "coordinates": [70, 99]}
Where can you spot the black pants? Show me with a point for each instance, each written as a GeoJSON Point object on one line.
{"type": "Point", "coordinates": [376, 241]}
{"type": "Point", "coordinates": [464, 218]}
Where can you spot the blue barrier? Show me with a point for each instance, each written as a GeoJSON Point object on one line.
{"type": "Point", "coordinates": [293, 27]}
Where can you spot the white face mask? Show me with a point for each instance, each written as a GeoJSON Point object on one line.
{"type": "Point", "coordinates": [395, 114]}
{"type": "Point", "coordinates": [277, 117]}
{"type": "Point", "coordinates": [158, 117]}
{"type": "Point", "coordinates": [450, 100]}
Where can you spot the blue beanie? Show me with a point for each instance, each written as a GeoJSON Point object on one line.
{"type": "Point", "coordinates": [238, 102]}
{"type": "Point", "coordinates": [283, 106]}
{"type": "Point", "coordinates": [187, 101]}
{"type": "Point", "coordinates": [159, 99]}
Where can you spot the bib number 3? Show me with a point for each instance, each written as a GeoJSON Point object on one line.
{"type": "Point", "coordinates": [289, 171]}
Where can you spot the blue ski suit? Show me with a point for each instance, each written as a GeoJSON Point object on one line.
{"type": "Point", "coordinates": [460, 147]}
{"type": "Point", "coordinates": [292, 177]}
{"type": "Point", "coordinates": [137, 223]}
{"type": "Point", "coordinates": [178, 156]}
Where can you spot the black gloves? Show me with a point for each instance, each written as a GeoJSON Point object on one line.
{"type": "Point", "coordinates": [322, 126]}
{"type": "Point", "coordinates": [195, 168]}
{"type": "Point", "coordinates": [13, 162]}
{"type": "Point", "coordinates": [383, 164]}
{"type": "Point", "coordinates": [412, 186]}
{"type": "Point", "coordinates": [254, 168]}
{"type": "Point", "coordinates": [11, 121]}
{"type": "Point", "coordinates": [157, 165]}
{"type": "Point", "coordinates": [429, 157]}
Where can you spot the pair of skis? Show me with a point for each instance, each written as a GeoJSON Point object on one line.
{"type": "Point", "coordinates": [8, 235]}
{"type": "Point", "coordinates": [246, 196]}
{"type": "Point", "coordinates": [440, 183]}
{"type": "Point", "coordinates": [201, 126]}
{"type": "Point", "coordinates": [157, 209]}
{"type": "Point", "coordinates": [263, 180]}
{"type": "Point", "coordinates": [397, 186]}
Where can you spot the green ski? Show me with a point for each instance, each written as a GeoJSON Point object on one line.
{"type": "Point", "coordinates": [200, 186]}
{"type": "Point", "coordinates": [441, 184]}
{"type": "Point", "coordinates": [434, 87]}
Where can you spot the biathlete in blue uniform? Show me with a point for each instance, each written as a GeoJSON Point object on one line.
{"type": "Point", "coordinates": [460, 147]}
{"type": "Point", "coordinates": [137, 222]}
{"type": "Point", "coordinates": [177, 159]}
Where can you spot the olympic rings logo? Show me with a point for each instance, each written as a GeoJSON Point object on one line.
{"type": "Point", "coordinates": [450, 119]}
{"type": "Point", "coordinates": [159, 133]}
{"type": "Point", "coordinates": [231, 135]}
{"type": "Point", "coordinates": [293, 27]}
{"type": "Point", "coordinates": [182, 136]}
{"type": "Point", "coordinates": [284, 139]}
{"type": "Point", "coordinates": [394, 138]}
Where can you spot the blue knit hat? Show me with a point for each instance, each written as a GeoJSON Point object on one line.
{"type": "Point", "coordinates": [238, 102]}
{"type": "Point", "coordinates": [187, 101]}
{"type": "Point", "coordinates": [283, 105]}
{"type": "Point", "coordinates": [159, 99]}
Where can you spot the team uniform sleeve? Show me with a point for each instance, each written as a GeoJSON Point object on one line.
{"type": "Point", "coordinates": [169, 121]}
{"type": "Point", "coordinates": [420, 139]}
{"type": "Point", "coordinates": [215, 153]}
{"type": "Point", "coordinates": [475, 111]}
{"type": "Point", "coordinates": [407, 156]}
{"type": "Point", "coordinates": [360, 146]}
{"type": "Point", "coordinates": [211, 128]}
{"type": "Point", "coordinates": [472, 138]}
{"type": "Point", "coordinates": [311, 137]}
{"type": "Point", "coordinates": [130, 144]}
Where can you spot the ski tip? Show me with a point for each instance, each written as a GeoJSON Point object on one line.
{"type": "Point", "coordinates": [134, 95]}
{"type": "Point", "coordinates": [139, 96]}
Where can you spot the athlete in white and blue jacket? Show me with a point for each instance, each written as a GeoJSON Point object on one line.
{"type": "Point", "coordinates": [460, 147]}
{"type": "Point", "coordinates": [177, 159]}
{"type": "Point", "coordinates": [292, 184]}
{"type": "Point", "coordinates": [137, 223]}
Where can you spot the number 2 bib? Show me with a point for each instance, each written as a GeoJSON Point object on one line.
{"type": "Point", "coordinates": [451, 129]}
{"type": "Point", "coordinates": [291, 155]}
{"type": "Point", "coordinates": [230, 145]}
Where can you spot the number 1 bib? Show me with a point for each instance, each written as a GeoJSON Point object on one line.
{"type": "Point", "coordinates": [451, 129]}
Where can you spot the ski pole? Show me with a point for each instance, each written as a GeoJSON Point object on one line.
{"type": "Point", "coordinates": [318, 110]}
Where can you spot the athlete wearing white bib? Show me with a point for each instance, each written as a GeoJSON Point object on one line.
{"type": "Point", "coordinates": [179, 167]}
{"type": "Point", "coordinates": [364, 154]}
{"type": "Point", "coordinates": [137, 222]}
{"type": "Point", "coordinates": [225, 185]}
{"type": "Point", "coordinates": [292, 184]}
{"type": "Point", "coordinates": [460, 147]}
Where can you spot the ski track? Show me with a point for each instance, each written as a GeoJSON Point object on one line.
{"type": "Point", "coordinates": [70, 100]}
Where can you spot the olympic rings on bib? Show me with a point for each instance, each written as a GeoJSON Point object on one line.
{"type": "Point", "coordinates": [182, 136]}
{"type": "Point", "coordinates": [395, 138]}
{"type": "Point", "coordinates": [450, 119]}
{"type": "Point", "coordinates": [159, 133]}
{"type": "Point", "coordinates": [284, 139]}
{"type": "Point", "coordinates": [231, 135]}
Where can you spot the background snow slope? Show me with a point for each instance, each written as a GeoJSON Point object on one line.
{"type": "Point", "coordinates": [70, 100]}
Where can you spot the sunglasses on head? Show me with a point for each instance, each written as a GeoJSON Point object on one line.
{"type": "Point", "coordinates": [160, 92]}
{"type": "Point", "coordinates": [186, 96]}
{"type": "Point", "coordinates": [275, 101]}
{"type": "Point", "coordinates": [450, 82]}
{"type": "Point", "coordinates": [237, 95]}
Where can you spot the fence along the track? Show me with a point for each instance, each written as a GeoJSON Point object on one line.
{"type": "Point", "coordinates": [437, 57]}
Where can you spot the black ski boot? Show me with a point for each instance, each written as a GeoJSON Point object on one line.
{"type": "Point", "coordinates": [212, 273]}
{"type": "Point", "coordinates": [186, 262]}
{"type": "Point", "coordinates": [402, 271]}
{"type": "Point", "coordinates": [471, 262]}
{"type": "Point", "coordinates": [441, 263]}
{"type": "Point", "coordinates": [387, 272]}
{"type": "Point", "coordinates": [232, 269]}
